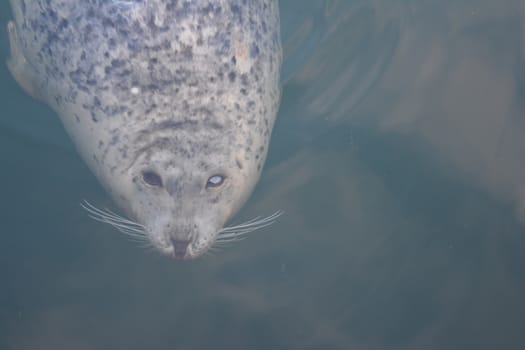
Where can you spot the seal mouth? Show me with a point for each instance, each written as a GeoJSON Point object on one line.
{"type": "Point", "coordinates": [180, 248]}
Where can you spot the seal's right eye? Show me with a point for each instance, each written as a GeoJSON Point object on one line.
{"type": "Point", "coordinates": [152, 178]}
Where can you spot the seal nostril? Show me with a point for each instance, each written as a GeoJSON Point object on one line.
{"type": "Point", "coordinates": [179, 247]}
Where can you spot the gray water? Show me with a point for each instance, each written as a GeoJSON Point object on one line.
{"type": "Point", "coordinates": [398, 157]}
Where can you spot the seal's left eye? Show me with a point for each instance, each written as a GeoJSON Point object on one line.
{"type": "Point", "coordinates": [152, 178]}
{"type": "Point", "coordinates": [215, 181]}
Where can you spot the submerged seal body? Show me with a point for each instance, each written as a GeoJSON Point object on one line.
{"type": "Point", "coordinates": [171, 103]}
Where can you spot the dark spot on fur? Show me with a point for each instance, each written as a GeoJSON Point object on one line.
{"type": "Point", "coordinates": [114, 139]}
{"type": "Point", "coordinates": [166, 45]}
{"type": "Point", "coordinates": [134, 45]}
{"type": "Point", "coordinates": [187, 52]}
{"type": "Point", "coordinates": [63, 24]}
{"type": "Point", "coordinates": [254, 50]}
{"type": "Point", "coordinates": [231, 76]}
{"type": "Point", "coordinates": [117, 63]}
{"type": "Point", "coordinates": [244, 79]}
{"type": "Point", "coordinates": [239, 164]}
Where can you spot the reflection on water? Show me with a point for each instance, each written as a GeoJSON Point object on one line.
{"type": "Point", "coordinates": [397, 156]}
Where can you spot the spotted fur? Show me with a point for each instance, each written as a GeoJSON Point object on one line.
{"type": "Point", "coordinates": [187, 89]}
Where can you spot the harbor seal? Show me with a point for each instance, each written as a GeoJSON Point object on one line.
{"type": "Point", "coordinates": [170, 103]}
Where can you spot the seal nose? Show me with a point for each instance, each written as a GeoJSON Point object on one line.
{"type": "Point", "coordinates": [179, 247]}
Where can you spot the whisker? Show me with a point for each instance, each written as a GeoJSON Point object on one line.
{"type": "Point", "coordinates": [137, 235]}
{"type": "Point", "coordinates": [108, 214]}
{"type": "Point", "coordinates": [249, 221]}
{"type": "Point", "coordinates": [252, 225]}
{"type": "Point", "coordinates": [120, 227]}
{"type": "Point", "coordinates": [133, 230]}
{"type": "Point", "coordinates": [99, 212]}
{"type": "Point", "coordinates": [236, 233]}
{"type": "Point", "coordinates": [229, 238]}
{"type": "Point", "coordinates": [122, 219]}
{"type": "Point", "coordinates": [242, 232]}
{"type": "Point", "coordinates": [254, 222]}
{"type": "Point", "coordinates": [226, 243]}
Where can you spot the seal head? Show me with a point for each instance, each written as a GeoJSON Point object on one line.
{"type": "Point", "coordinates": [170, 103]}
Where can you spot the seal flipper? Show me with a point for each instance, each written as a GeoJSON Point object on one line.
{"type": "Point", "coordinates": [20, 68]}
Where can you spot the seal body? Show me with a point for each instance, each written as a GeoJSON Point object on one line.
{"type": "Point", "coordinates": [171, 103]}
